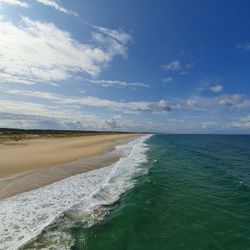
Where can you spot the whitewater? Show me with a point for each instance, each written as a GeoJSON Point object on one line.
{"type": "Point", "coordinates": [25, 216]}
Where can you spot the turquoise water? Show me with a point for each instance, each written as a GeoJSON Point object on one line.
{"type": "Point", "coordinates": [196, 196]}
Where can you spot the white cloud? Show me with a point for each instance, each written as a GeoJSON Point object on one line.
{"type": "Point", "coordinates": [246, 119]}
{"type": "Point", "coordinates": [57, 6]}
{"type": "Point", "coordinates": [172, 66]}
{"type": "Point", "coordinates": [216, 88]}
{"type": "Point", "coordinates": [39, 94]}
{"type": "Point", "coordinates": [115, 121]}
{"type": "Point", "coordinates": [114, 41]}
{"type": "Point", "coordinates": [10, 120]}
{"type": "Point", "coordinates": [8, 78]}
{"type": "Point", "coordinates": [231, 100]}
{"type": "Point", "coordinates": [30, 115]}
{"type": "Point", "coordinates": [33, 115]}
{"type": "Point", "coordinates": [125, 107]}
{"type": "Point", "coordinates": [211, 104]}
{"type": "Point", "coordinates": [30, 108]}
{"type": "Point", "coordinates": [167, 79]}
{"type": "Point", "coordinates": [176, 68]}
{"type": "Point", "coordinates": [242, 123]}
{"type": "Point", "coordinates": [112, 123]}
{"type": "Point", "coordinates": [36, 51]}
{"type": "Point", "coordinates": [210, 113]}
{"type": "Point", "coordinates": [117, 83]}
{"type": "Point", "coordinates": [117, 35]}
{"type": "Point", "coordinates": [17, 3]}
{"type": "Point", "coordinates": [219, 103]}
{"type": "Point", "coordinates": [191, 102]}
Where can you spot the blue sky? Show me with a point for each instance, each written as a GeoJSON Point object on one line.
{"type": "Point", "coordinates": [167, 66]}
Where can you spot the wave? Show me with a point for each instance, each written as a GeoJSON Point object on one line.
{"type": "Point", "coordinates": [24, 216]}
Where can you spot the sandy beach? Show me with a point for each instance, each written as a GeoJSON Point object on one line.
{"type": "Point", "coordinates": [28, 164]}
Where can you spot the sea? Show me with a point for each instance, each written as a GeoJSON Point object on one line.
{"type": "Point", "coordinates": [166, 192]}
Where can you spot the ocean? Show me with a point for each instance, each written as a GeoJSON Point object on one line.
{"type": "Point", "coordinates": [167, 192]}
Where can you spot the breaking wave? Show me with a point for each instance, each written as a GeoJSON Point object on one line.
{"type": "Point", "coordinates": [24, 216]}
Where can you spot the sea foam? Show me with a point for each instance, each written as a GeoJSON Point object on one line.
{"type": "Point", "coordinates": [24, 216]}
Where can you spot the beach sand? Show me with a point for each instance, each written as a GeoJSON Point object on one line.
{"type": "Point", "coordinates": [29, 164]}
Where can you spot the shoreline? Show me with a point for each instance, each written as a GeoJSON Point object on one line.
{"type": "Point", "coordinates": [80, 195]}
{"type": "Point", "coordinates": [96, 151]}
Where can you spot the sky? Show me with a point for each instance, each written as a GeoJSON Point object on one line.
{"type": "Point", "coordinates": [167, 66]}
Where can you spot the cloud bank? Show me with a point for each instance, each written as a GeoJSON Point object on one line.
{"type": "Point", "coordinates": [92, 101]}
